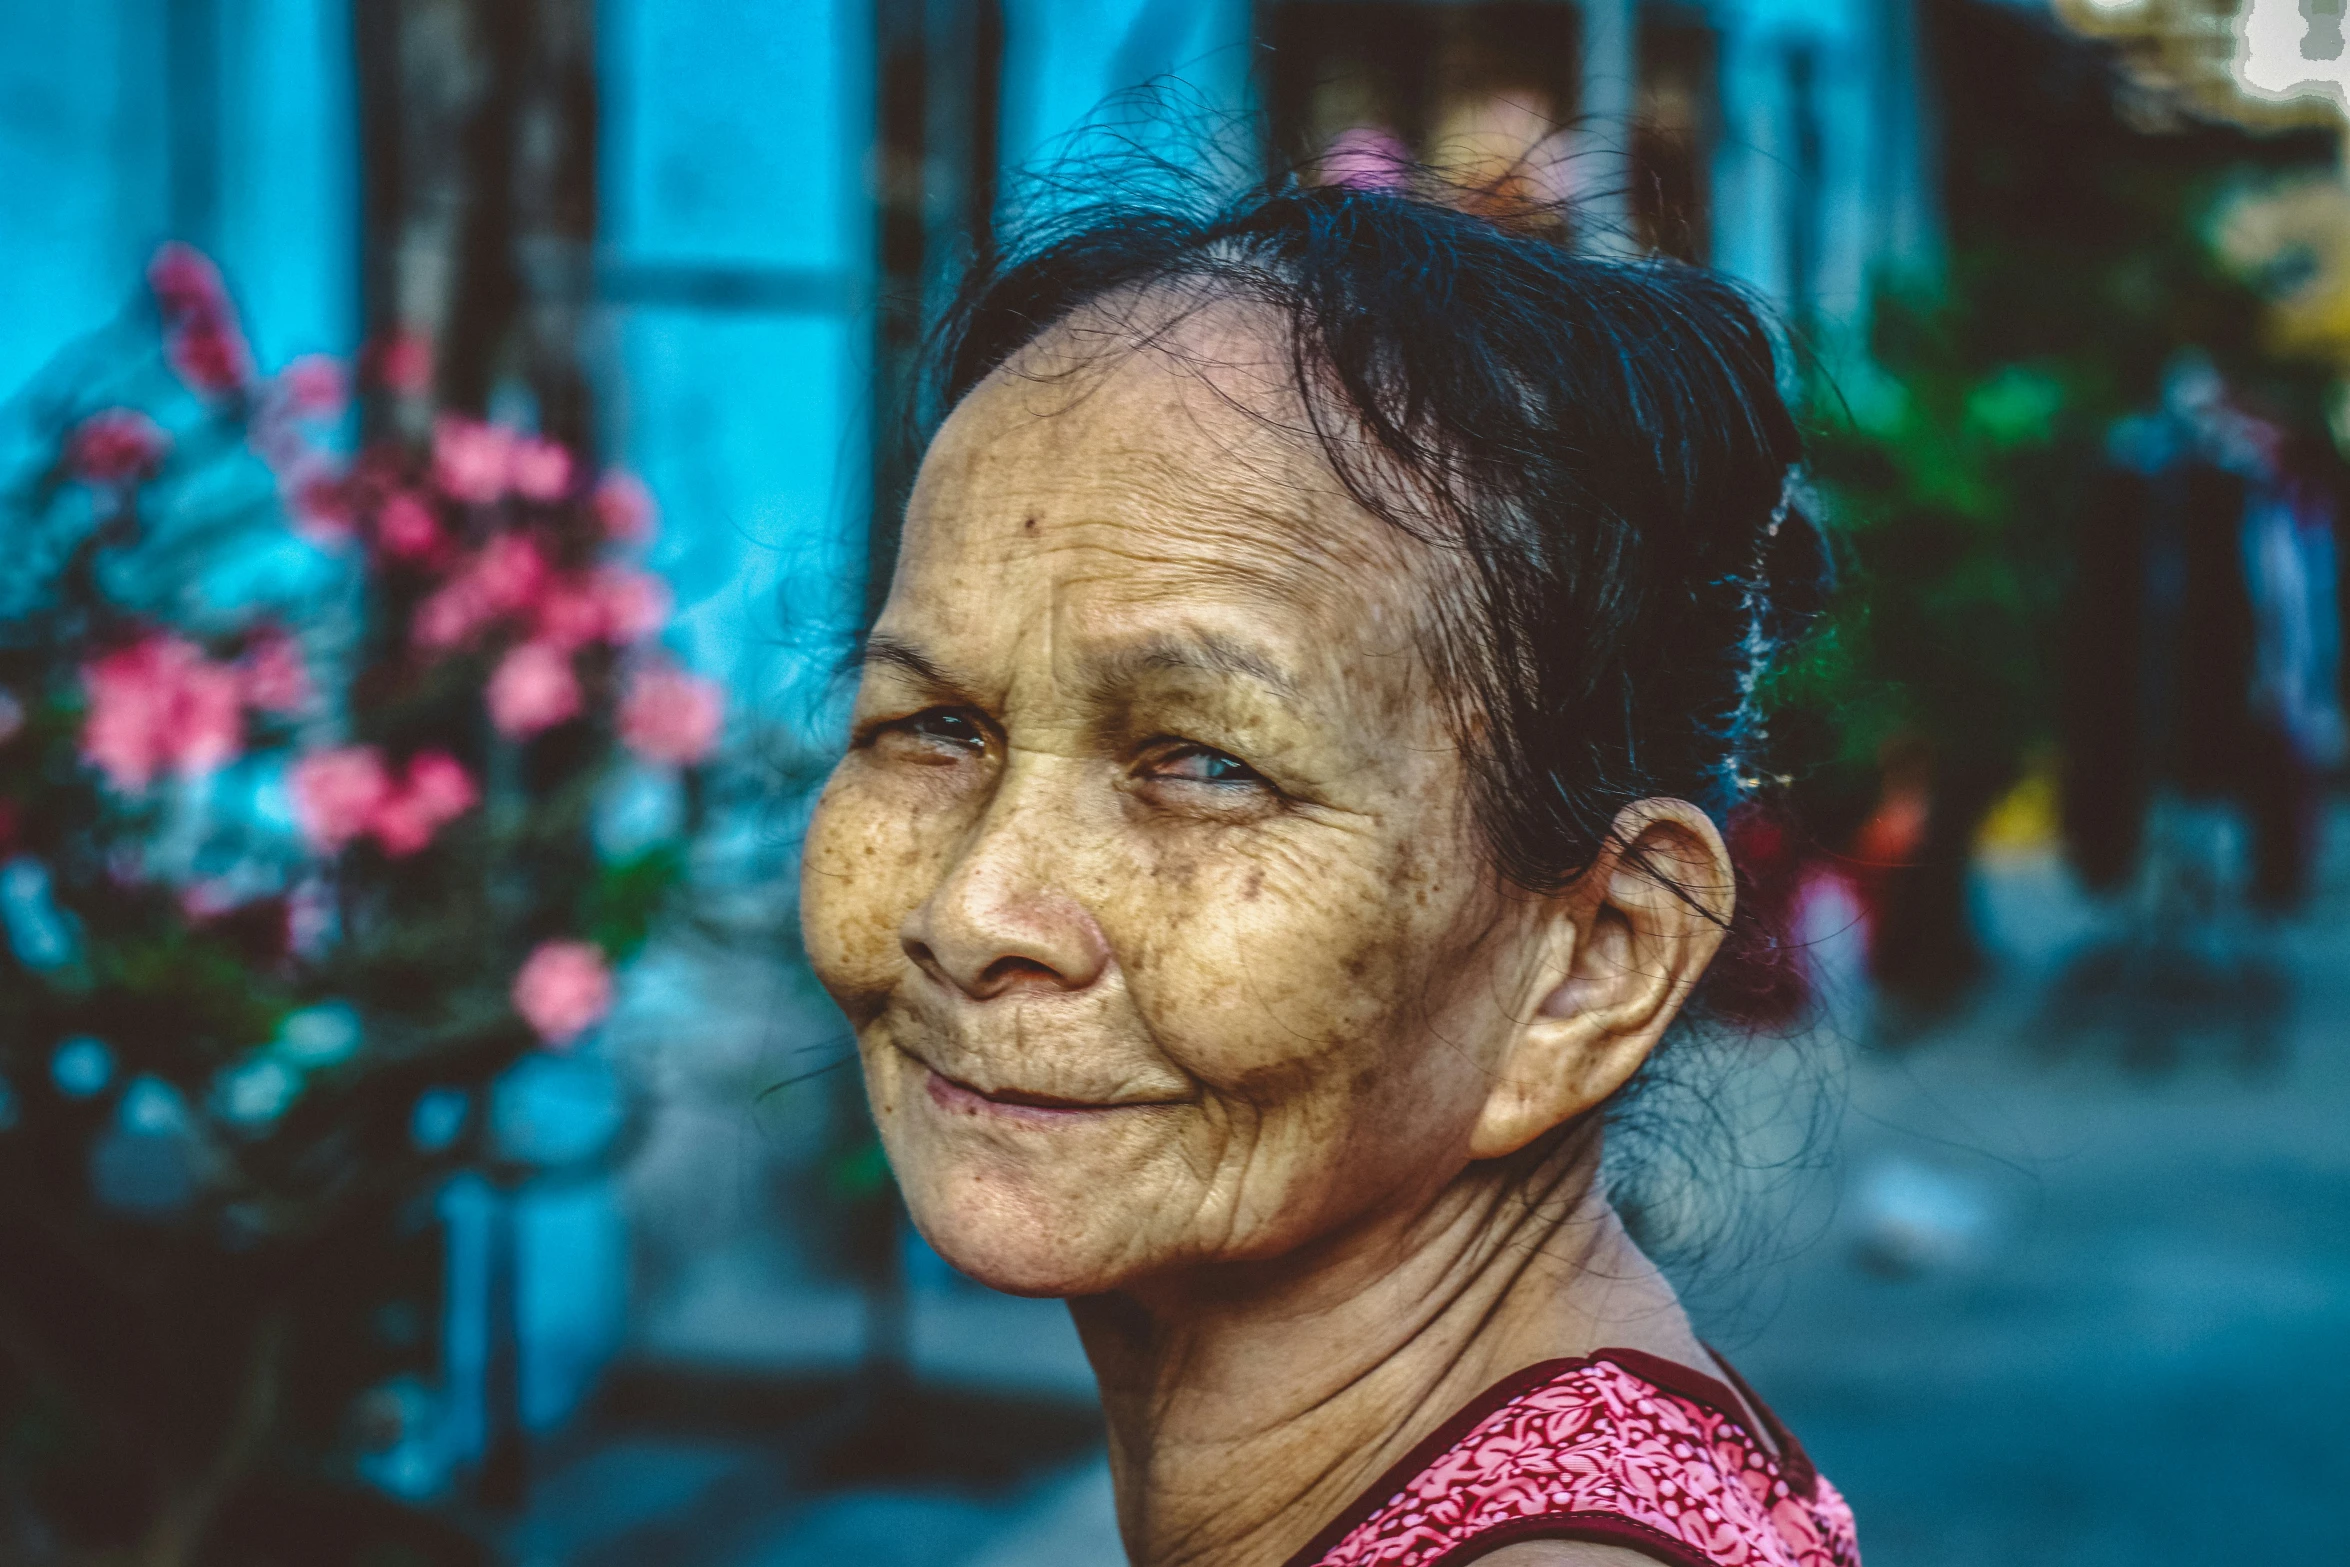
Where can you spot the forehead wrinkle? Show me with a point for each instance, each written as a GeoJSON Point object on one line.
{"type": "Point", "coordinates": [1210, 422]}
{"type": "Point", "coordinates": [1261, 554]}
{"type": "Point", "coordinates": [1200, 649]}
{"type": "Point", "coordinates": [1155, 485]}
{"type": "Point", "coordinates": [1124, 561]}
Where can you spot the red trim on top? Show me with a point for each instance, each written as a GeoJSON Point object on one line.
{"type": "Point", "coordinates": [1668, 1376]}
{"type": "Point", "coordinates": [1407, 1468]}
{"type": "Point", "coordinates": [1795, 1465]}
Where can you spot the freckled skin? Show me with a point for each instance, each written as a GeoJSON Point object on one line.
{"type": "Point", "coordinates": [1151, 809]}
{"type": "Point", "coordinates": [1277, 960]}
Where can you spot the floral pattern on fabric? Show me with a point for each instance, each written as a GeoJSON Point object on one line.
{"type": "Point", "coordinates": [1598, 1452]}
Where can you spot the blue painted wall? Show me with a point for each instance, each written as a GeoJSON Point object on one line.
{"type": "Point", "coordinates": [733, 148]}
{"type": "Point", "coordinates": [127, 122]}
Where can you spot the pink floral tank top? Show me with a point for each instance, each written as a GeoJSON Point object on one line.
{"type": "Point", "coordinates": [1618, 1447]}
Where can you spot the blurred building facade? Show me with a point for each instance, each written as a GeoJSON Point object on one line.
{"type": "Point", "coordinates": [783, 194]}
{"type": "Point", "coordinates": [775, 183]}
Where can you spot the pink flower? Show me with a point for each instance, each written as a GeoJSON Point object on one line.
{"type": "Point", "coordinates": [625, 508]}
{"type": "Point", "coordinates": [341, 794]}
{"type": "Point", "coordinates": [405, 527]}
{"type": "Point", "coordinates": [470, 460]}
{"type": "Point", "coordinates": [315, 386]}
{"type": "Point", "coordinates": [439, 784]}
{"type": "Point", "coordinates": [119, 446]}
{"type": "Point", "coordinates": [208, 726]}
{"type": "Point", "coordinates": [634, 604]}
{"type": "Point", "coordinates": [615, 604]}
{"type": "Point", "coordinates": [186, 283]}
{"type": "Point", "coordinates": [435, 792]}
{"type": "Point", "coordinates": [276, 680]}
{"type": "Point", "coordinates": [160, 703]}
{"type": "Point", "coordinates": [337, 794]}
{"type": "Point", "coordinates": [508, 576]}
{"type": "Point", "coordinates": [570, 614]}
{"type": "Point", "coordinates": [400, 826]}
{"type": "Point", "coordinates": [403, 363]}
{"type": "Point", "coordinates": [480, 463]}
{"type": "Point", "coordinates": [540, 470]}
{"type": "Point", "coordinates": [320, 502]}
{"type": "Point", "coordinates": [210, 355]}
{"type": "Point", "coordinates": [509, 573]}
{"type": "Point", "coordinates": [450, 615]}
{"type": "Point", "coordinates": [563, 990]}
{"type": "Point", "coordinates": [533, 688]}
{"type": "Point", "coordinates": [201, 338]}
{"type": "Point", "coordinates": [671, 716]}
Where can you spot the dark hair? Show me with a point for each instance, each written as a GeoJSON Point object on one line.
{"type": "Point", "coordinates": [1600, 441]}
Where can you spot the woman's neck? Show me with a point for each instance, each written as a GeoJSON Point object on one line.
{"type": "Point", "coordinates": [1249, 1405]}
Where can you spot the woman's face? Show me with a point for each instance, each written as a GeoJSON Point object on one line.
{"type": "Point", "coordinates": [1148, 881]}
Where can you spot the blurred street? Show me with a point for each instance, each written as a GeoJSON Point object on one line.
{"type": "Point", "coordinates": [2147, 1333]}
{"type": "Point", "coordinates": [2036, 1302]}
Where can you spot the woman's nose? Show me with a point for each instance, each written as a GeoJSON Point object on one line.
{"type": "Point", "coordinates": [996, 926]}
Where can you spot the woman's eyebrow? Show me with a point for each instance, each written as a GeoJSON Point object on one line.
{"type": "Point", "coordinates": [1207, 651]}
{"type": "Point", "coordinates": [896, 653]}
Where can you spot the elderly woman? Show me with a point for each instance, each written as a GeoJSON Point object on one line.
{"type": "Point", "coordinates": [1282, 815]}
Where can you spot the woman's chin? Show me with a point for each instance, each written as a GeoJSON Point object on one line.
{"type": "Point", "coordinates": [1021, 1250]}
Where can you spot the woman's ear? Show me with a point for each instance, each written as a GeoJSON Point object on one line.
{"type": "Point", "coordinates": [1622, 949]}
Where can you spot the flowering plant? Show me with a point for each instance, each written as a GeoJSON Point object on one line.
{"type": "Point", "coordinates": [308, 770]}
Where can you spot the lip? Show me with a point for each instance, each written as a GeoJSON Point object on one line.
{"type": "Point", "coordinates": [1019, 1105]}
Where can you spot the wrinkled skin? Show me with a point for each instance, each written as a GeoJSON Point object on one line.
{"type": "Point", "coordinates": [1149, 886]}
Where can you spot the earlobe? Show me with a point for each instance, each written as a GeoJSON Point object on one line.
{"type": "Point", "coordinates": [1627, 945]}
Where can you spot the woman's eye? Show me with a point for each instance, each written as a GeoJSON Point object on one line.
{"type": "Point", "coordinates": [1199, 764]}
{"type": "Point", "coordinates": [945, 726]}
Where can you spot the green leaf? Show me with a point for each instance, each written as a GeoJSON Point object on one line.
{"type": "Point", "coordinates": [627, 897]}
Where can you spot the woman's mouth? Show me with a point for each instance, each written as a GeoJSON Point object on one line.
{"type": "Point", "coordinates": [1021, 1104]}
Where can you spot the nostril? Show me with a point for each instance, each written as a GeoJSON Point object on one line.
{"type": "Point", "coordinates": [1015, 973]}
{"type": "Point", "coordinates": [1004, 974]}
{"type": "Point", "coordinates": [983, 946]}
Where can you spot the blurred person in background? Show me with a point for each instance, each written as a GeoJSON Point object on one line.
{"type": "Point", "coordinates": [2202, 711]}
{"type": "Point", "coordinates": [1284, 814]}
{"type": "Point", "coordinates": [2206, 648]}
